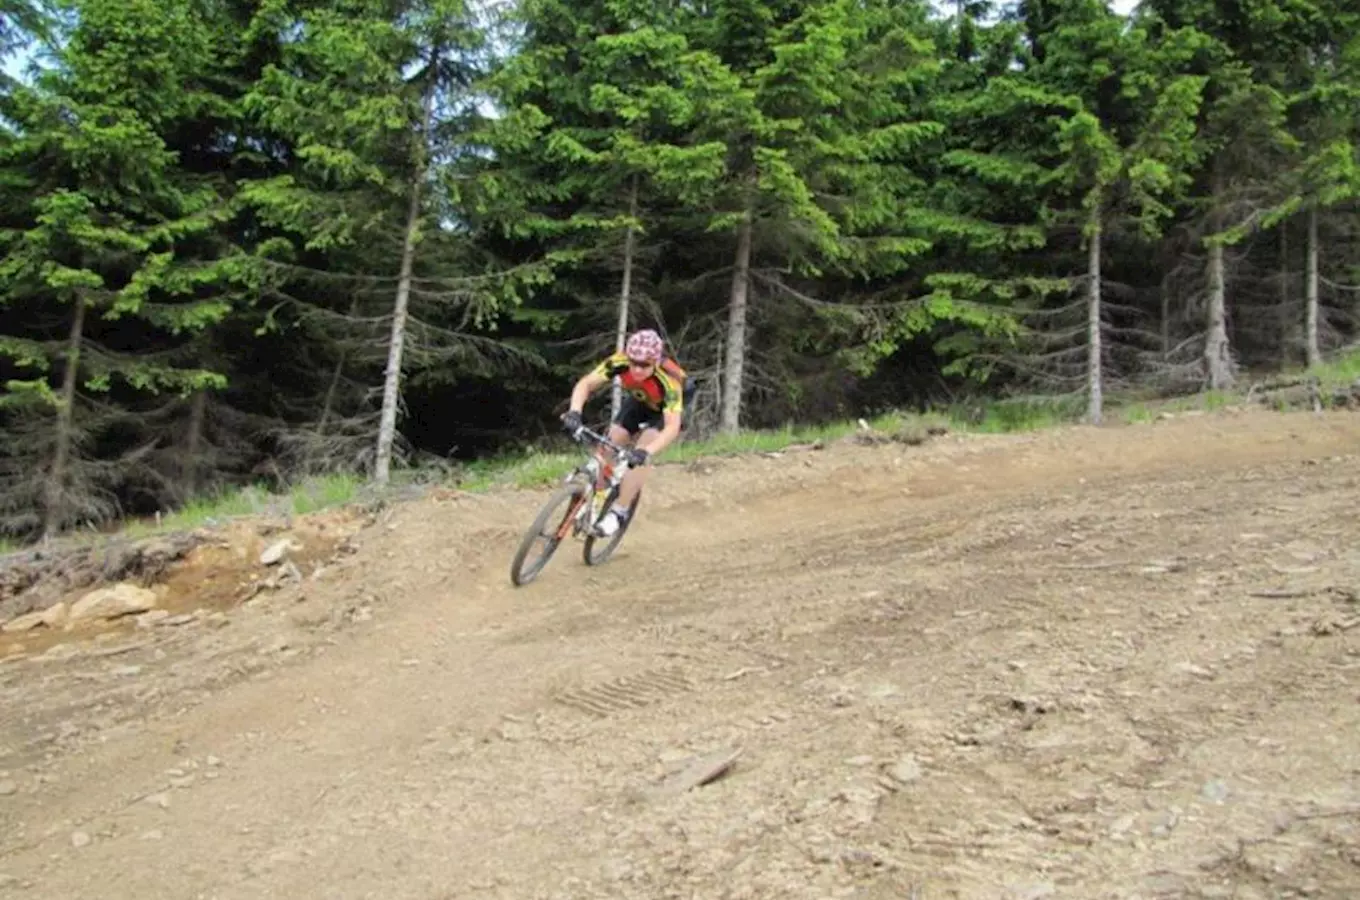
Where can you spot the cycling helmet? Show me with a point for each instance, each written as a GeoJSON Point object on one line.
{"type": "Point", "coordinates": [644, 345]}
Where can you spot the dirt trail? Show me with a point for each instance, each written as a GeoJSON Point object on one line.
{"type": "Point", "coordinates": [1085, 663]}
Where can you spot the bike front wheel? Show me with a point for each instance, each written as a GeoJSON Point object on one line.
{"type": "Point", "coordinates": [573, 495]}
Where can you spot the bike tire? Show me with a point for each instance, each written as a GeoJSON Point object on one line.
{"type": "Point", "coordinates": [573, 494]}
{"type": "Point", "coordinates": [593, 559]}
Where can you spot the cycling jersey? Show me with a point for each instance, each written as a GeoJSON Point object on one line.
{"type": "Point", "coordinates": [661, 390]}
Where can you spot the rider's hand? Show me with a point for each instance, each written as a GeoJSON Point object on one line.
{"type": "Point", "coordinates": [571, 423]}
{"type": "Point", "coordinates": [637, 458]}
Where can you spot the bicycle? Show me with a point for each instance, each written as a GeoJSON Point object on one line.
{"type": "Point", "coordinates": [581, 490]}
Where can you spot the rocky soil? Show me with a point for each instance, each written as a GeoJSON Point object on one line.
{"type": "Point", "coordinates": [1088, 663]}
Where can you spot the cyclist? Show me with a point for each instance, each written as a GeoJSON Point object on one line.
{"type": "Point", "coordinates": [655, 391]}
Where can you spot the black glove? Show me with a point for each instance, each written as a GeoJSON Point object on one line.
{"type": "Point", "coordinates": [637, 458]}
{"type": "Point", "coordinates": [571, 423]}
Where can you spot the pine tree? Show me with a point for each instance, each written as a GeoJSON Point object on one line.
{"type": "Point", "coordinates": [376, 105]}
{"type": "Point", "coordinates": [984, 197]}
{"type": "Point", "coordinates": [1323, 113]}
{"type": "Point", "coordinates": [103, 227]}
{"type": "Point", "coordinates": [1247, 55]}
{"type": "Point", "coordinates": [777, 88]}
{"type": "Point", "coordinates": [1130, 146]}
{"type": "Point", "coordinates": [23, 24]}
{"type": "Point", "coordinates": [601, 100]}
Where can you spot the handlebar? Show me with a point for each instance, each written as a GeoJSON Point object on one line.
{"type": "Point", "coordinates": [598, 438]}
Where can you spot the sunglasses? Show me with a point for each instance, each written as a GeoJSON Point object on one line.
{"type": "Point", "coordinates": [639, 364]}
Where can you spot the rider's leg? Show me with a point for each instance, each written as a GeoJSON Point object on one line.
{"type": "Point", "coordinates": [620, 430]}
{"type": "Point", "coordinates": [636, 478]}
{"type": "Point", "coordinates": [649, 425]}
{"type": "Point", "coordinates": [621, 433]}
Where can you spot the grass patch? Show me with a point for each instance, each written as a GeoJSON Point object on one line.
{"type": "Point", "coordinates": [1135, 413]}
{"type": "Point", "coordinates": [1206, 401]}
{"type": "Point", "coordinates": [535, 469]}
{"type": "Point", "coordinates": [1335, 375]}
{"type": "Point", "coordinates": [1342, 371]}
{"type": "Point", "coordinates": [538, 468]}
{"type": "Point", "coordinates": [309, 496]}
{"type": "Point", "coordinates": [1020, 414]}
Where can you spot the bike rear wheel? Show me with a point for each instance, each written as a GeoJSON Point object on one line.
{"type": "Point", "coordinates": [573, 495]}
{"type": "Point", "coordinates": [611, 543]}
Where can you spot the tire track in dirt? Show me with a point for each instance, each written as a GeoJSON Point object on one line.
{"type": "Point", "coordinates": [423, 754]}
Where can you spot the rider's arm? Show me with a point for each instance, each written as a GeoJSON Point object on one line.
{"type": "Point", "coordinates": [586, 385]}
{"type": "Point", "coordinates": [673, 408]}
{"type": "Point", "coordinates": [670, 430]}
{"type": "Point", "coordinates": [597, 378]}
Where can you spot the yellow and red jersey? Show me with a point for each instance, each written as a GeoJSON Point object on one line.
{"type": "Point", "coordinates": [661, 390]}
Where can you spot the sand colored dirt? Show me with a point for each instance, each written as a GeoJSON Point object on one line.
{"type": "Point", "coordinates": [1090, 663]}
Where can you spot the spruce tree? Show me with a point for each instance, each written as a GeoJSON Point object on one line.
{"type": "Point", "coordinates": [109, 266]}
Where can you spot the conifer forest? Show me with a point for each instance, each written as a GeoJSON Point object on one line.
{"type": "Point", "coordinates": [249, 240]}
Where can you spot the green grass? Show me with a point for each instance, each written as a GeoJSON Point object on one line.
{"type": "Point", "coordinates": [1146, 411]}
{"type": "Point", "coordinates": [1340, 372]}
{"type": "Point", "coordinates": [535, 469]}
{"type": "Point", "coordinates": [1021, 414]}
{"type": "Point", "coordinates": [1136, 412]}
{"type": "Point", "coordinates": [306, 497]}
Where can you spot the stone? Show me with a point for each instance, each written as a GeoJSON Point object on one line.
{"type": "Point", "coordinates": [112, 602]}
{"type": "Point", "coordinates": [906, 770]}
{"type": "Point", "coordinates": [1214, 791]}
{"type": "Point", "coordinates": [26, 622]}
{"type": "Point", "coordinates": [275, 552]}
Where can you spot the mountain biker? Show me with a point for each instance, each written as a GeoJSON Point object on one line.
{"type": "Point", "coordinates": [655, 391]}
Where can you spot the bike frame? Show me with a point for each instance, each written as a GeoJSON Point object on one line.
{"type": "Point", "coordinates": [590, 473]}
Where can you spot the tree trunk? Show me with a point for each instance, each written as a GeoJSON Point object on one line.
{"type": "Point", "coordinates": [54, 491]}
{"type": "Point", "coordinates": [387, 426]}
{"type": "Point", "coordinates": [1217, 352]}
{"type": "Point", "coordinates": [624, 294]}
{"type": "Point", "coordinates": [736, 330]}
{"type": "Point", "coordinates": [1286, 320]}
{"type": "Point", "coordinates": [193, 439]}
{"type": "Point", "coordinates": [328, 403]}
{"type": "Point", "coordinates": [1310, 314]}
{"type": "Point", "coordinates": [1094, 383]}
{"type": "Point", "coordinates": [1217, 349]}
{"type": "Point", "coordinates": [1166, 323]}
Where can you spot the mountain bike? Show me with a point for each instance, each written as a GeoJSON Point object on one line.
{"type": "Point", "coordinates": [588, 492]}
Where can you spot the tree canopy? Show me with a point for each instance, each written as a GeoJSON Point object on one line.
{"type": "Point", "coordinates": [268, 238]}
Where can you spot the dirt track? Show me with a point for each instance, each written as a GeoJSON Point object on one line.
{"type": "Point", "coordinates": [1086, 663]}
